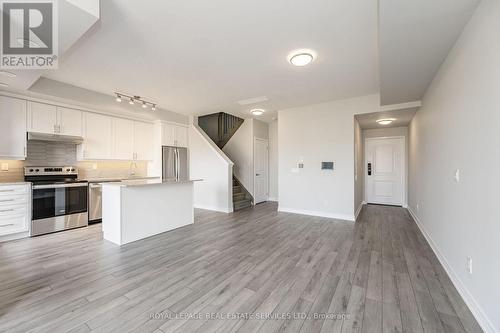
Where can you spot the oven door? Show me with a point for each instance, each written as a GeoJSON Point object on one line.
{"type": "Point", "coordinates": [59, 200]}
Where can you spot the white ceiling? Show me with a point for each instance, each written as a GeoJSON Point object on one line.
{"type": "Point", "coordinates": [415, 38]}
{"type": "Point", "coordinates": [403, 118]}
{"type": "Point", "coordinates": [197, 57]}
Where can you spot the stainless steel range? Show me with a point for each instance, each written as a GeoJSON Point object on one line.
{"type": "Point", "coordinates": [59, 199]}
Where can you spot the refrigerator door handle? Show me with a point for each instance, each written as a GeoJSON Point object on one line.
{"type": "Point", "coordinates": [177, 166]}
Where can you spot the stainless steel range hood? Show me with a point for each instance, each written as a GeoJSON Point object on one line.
{"type": "Point", "coordinates": [32, 136]}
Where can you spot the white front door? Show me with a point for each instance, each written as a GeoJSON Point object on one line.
{"type": "Point", "coordinates": [261, 170]}
{"type": "Point", "coordinates": [384, 170]}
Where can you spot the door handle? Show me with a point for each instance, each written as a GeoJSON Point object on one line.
{"type": "Point", "coordinates": [369, 169]}
{"type": "Point", "coordinates": [257, 174]}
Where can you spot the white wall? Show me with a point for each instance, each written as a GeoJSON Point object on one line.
{"type": "Point", "coordinates": [208, 162]}
{"type": "Point", "coordinates": [389, 132]}
{"type": "Point", "coordinates": [240, 150]}
{"type": "Point", "coordinates": [358, 167]}
{"type": "Point", "coordinates": [312, 134]}
{"type": "Point", "coordinates": [458, 127]}
{"type": "Point", "coordinates": [273, 161]}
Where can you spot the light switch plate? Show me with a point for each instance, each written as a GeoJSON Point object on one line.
{"type": "Point", "coordinates": [5, 166]}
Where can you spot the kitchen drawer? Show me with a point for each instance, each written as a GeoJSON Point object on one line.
{"type": "Point", "coordinates": [8, 190]}
{"type": "Point", "coordinates": [14, 199]}
{"type": "Point", "coordinates": [13, 224]}
{"type": "Point", "coordinates": [7, 212]}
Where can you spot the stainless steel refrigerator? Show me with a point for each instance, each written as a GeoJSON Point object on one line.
{"type": "Point", "coordinates": [175, 163]}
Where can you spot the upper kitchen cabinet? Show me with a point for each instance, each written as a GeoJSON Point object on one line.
{"type": "Point", "coordinates": [143, 141]}
{"type": "Point", "coordinates": [69, 121]}
{"type": "Point", "coordinates": [175, 135]}
{"type": "Point", "coordinates": [50, 119]}
{"type": "Point", "coordinates": [97, 137]}
{"type": "Point", "coordinates": [12, 128]}
{"type": "Point", "coordinates": [123, 139]}
{"type": "Point", "coordinates": [42, 118]}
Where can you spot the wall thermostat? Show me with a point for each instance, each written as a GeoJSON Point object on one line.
{"type": "Point", "coordinates": [326, 165]}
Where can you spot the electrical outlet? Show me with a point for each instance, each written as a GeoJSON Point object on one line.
{"type": "Point", "coordinates": [94, 166]}
{"type": "Point", "coordinates": [469, 265]}
{"type": "Point", "coordinates": [418, 207]}
{"type": "Point", "coordinates": [457, 175]}
{"type": "Point", "coordinates": [5, 166]}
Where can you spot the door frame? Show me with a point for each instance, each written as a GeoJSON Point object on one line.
{"type": "Point", "coordinates": [404, 200]}
{"type": "Point", "coordinates": [254, 177]}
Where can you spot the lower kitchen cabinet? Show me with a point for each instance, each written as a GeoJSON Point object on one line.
{"type": "Point", "coordinates": [15, 214]}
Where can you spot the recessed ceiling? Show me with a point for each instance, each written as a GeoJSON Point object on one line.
{"type": "Point", "coordinates": [415, 38]}
{"type": "Point", "coordinates": [197, 57]}
{"type": "Point", "coordinates": [402, 118]}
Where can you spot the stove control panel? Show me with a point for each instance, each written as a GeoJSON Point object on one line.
{"type": "Point", "coordinates": [50, 171]}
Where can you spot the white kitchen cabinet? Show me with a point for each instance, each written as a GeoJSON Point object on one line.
{"type": "Point", "coordinates": [42, 118]}
{"type": "Point", "coordinates": [69, 121]}
{"type": "Point", "coordinates": [123, 139]}
{"type": "Point", "coordinates": [143, 141]}
{"type": "Point", "coordinates": [97, 137]}
{"type": "Point", "coordinates": [181, 136]}
{"type": "Point", "coordinates": [12, 128]}
{"type": "Point", "coordinates": [50, 119]}
{"type": "Point", "coordinates": [175, 135]}
{"type": "Point", "coordinates": [15, 213]}
{"type": "Point", "coordinates": [168, 134]}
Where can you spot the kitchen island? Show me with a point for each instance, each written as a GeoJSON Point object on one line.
{"type": "Point", "coordinates": [133, 210]}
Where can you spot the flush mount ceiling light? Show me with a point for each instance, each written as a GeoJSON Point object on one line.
{"type": "Point", "coordinates": [301, 58]}
{"type": "Point", "coordinates": [257, 112]}
{"type": "Point", "coordinates": [133, 99]}
{"type": "Point", "coordinates": [385, 121]}
{"type": "Point", "coordinates": [8, 74]}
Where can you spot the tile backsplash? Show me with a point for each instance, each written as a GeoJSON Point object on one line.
{"type": "Point", "coordinates": [42, 153]}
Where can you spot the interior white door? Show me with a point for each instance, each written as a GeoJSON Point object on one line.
{"type": "Point", "coordinates": [384, 170]}
{"type": "Point", "coordinates": [261, 166]}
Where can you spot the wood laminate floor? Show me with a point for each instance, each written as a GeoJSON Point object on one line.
{"type": "Point", "coordinates": [255, 270]}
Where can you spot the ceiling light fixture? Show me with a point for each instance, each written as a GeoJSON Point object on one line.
{"type": "Point", "coordinates": [133, 99]}
{"type": "Point", "coordinates": [8, 74]}
{"type": "Point", "coordinates": [385, 121]}
{"type": "Point", "coordinates": [301, 58]}
{"type": "Point", "coordinates": [257, 112]}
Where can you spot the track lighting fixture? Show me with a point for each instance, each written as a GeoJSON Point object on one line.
{"type": "Point", "coordinates": [133, 99]}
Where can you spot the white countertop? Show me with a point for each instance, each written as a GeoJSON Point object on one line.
{"type": "Point", "coordinates": [143, 182]}
{"type": "Point", "coordinates": [13, 183]}
{"type": "Point", "coordinates": [133, 178]}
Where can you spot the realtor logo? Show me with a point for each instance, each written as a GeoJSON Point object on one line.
{"type": "Point", "coordinates": [29, 34]}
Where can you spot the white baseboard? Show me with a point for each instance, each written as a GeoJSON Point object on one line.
{"type": "Point", "coordinates": [360, 207]}
{"type": "Point", "coordinates": [344, 217]}
{"type": "Point", "coordinates": [272, 199]}
{"type": "Point", "coordinates": [11, 237]}
{"type": "Point", "coordinates": [469, 300]}
{"type": "Point", "coordinates": [215, 209]}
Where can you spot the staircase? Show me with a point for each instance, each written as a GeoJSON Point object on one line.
{"type": "Point", "coordinates": [241, 198]}
{"type": "Point", "coordinates": [220, 127]}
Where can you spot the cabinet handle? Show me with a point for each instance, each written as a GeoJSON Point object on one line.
{"type": "Point", "coordinates": [6, 190]}
{"type": "Point", "coordinates": [6, 225]}
{"type": "Point", "coordinates": [6, 210]}
{"type": "Point", "coordinates": [7, 200]}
